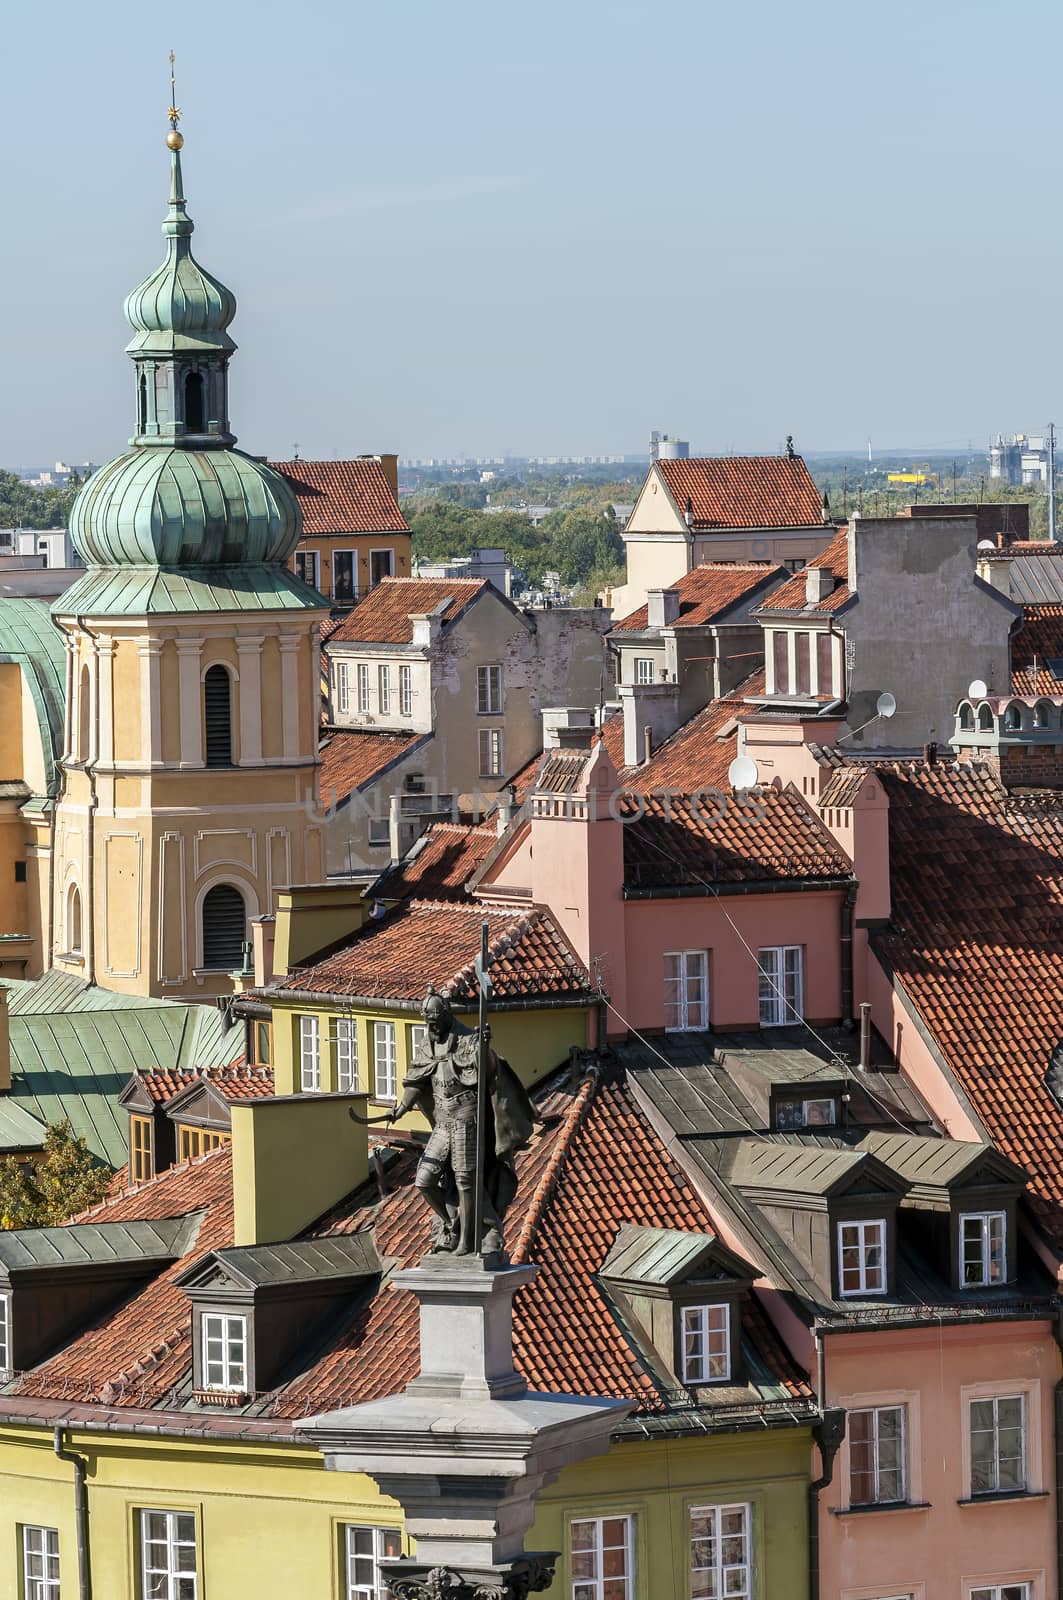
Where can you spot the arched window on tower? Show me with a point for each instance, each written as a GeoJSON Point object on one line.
{"type": "Point", "coordinates": [142, 404]}
{"type": "Point", "coordinates": [224, 928]}
{"type": "Point", "coordinates": [73, 920]}
{"type": "Point", "coordinates": [194, 422]}
{"type": "Point", "coordinates": [217, 717]}
{"type": "Point", "coordinates": [84, 698]}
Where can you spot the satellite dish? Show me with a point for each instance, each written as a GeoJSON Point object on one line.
{"type": "Point", "coordinates": [742, 773]}
{"type": "Point", "coordinates": [986, 544]}
{"type": "Point", "coordinates": [977, 689]}
{"type": "Point", "coordinates": [886, 704]}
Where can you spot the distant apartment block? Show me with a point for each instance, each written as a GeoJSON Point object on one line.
{"type": "Point", "coordinates": [486, 561]}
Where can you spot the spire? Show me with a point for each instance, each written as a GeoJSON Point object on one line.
{"type": "Point", "coordinates": [178, 223]}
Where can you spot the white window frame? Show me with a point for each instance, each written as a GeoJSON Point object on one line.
{"type": "Point", "coordinates": [644, 669]}
{"type": "Point", "coordinates": [314, 558]}
{"type": "Point", "coordinates": [863, 1244]}
{"type": "Point", "coordinates": [781, 985]}
{"type": "Point", "coordinates": [354, 576]}
{"type": "Point", "coordinates": [594, 1586]}
{"type": "Point", "coordinates": [418, 1034]}
{"type": "Point", "coordinates": [309, 1054]}
{"type": "Point", "coordinates": [345, 1049]}
{"type": "Point", "coordinates": [181, 1584]}
{"type": "Point", "coordinates": [221, 1328]}
{"type": "Point", "coordinates": [378, 834]}
{"type": "Point", "coordinates": [40, 1550]}
{"type": "Point", "coordinates": [343, 688]}
{"type": "Point", "coordinates": [5, 1333]}
{"type": "Point", "coordinates": [405, 691]}
{"type": "Point", "coordinates": [710, 1326]}
{"type": "Point", "coordinates": [382, 550]}
{"type": "Point", "coordinates": [362, 677]}
{"type": "Point", "coordinates": [801, 1106]}
{"type": "Point", "coordinates": [489, 690]}
{"type": "Point", "coordinates": [385, 1063]}
{"type": "Point", "coordinates": [383, 679]}
{"type": "Point", "coordinates": [376, 1589]}
{"type": "Point", "coordinates": [689, 1014]}
{"type": "Point", "coordinates": [986, 1221]}
{"type": "Point", "coordinates": [1021, 1589]}
{"type": "Point", "coordinates": [490, 752]}
{"type": "Point", "coordinates": [730, 1578]}
{"type": "Point", "coordinates": [995, 1401]}
{"type": "Point", "coordinates": [876, 1413]}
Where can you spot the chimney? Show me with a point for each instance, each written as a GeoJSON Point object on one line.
{"type": "Point", "coordinates": [310, 916]}
{"type": "Point", "coordinates": [662, 607]}
{"type": "Point", "coordinates": [819, 583]}
{"type": "Point", "coordinates": [688, 514]}
{"type": "Point", "coordinates": [263, 932]}
{"type": "Point", "coordinates": [504, 802]}
{"type": "Point", "coordinates": [567, 727]}
{"type": "Point", "coordinates": [824, 514]}
{"type": "Point", "coordinates": [995, 570]}
{"type": "Point", "coordinates": [427, 626]}
{"type": "Point", "coordinates": [389, 466]}
{"type": "Point", "coordinates": [294, 1157]}
{"type": "Point", "coordinates": [651, 710]}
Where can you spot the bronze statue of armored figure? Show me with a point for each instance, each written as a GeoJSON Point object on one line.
{"type": "Point", "coordinates": [443, 1083]}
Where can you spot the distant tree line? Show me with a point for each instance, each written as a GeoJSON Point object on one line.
{"type": "Point", "coordinates": [580, 541]}
{"type": "Point", "coordinates": [26, 507]}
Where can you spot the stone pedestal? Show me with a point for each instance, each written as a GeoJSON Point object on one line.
{"type": "Point", "coordinates": [466, 1448]}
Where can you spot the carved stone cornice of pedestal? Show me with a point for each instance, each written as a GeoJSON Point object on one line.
{"type": "Point", "coordinates": [531, 1574]}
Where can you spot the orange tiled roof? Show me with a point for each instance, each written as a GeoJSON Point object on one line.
{"type": "Point", "coordinates": [706, 591]}
{"type": "Point", "coordinates": [744, 491]}
{"type": "Point", "coordinates": [236, 1082]}
{"type": "Point", "coordinates": [976, 938]}
{"type": "Point", "coordinates": [383, 617]}
{"type": "Point", "coordinates": [791, 597]}
{"type": "Point", "coordinates": [430, 941]}
{"type": "Point", "coordinates": [699, 753]}
{"type": "Point", "coordinates": [440, 864]}
{"type": "Point", "coordinates": [573, 1195]}
{"type": "Point", "coordinates": [1038, 640]}
{"type": "Point", "coordinates": [343, 496]}
{"type": "Point", "coordinates": [350, 759]}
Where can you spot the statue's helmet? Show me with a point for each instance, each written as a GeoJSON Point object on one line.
{"type": "Point", "coordinates": [435, 1007]}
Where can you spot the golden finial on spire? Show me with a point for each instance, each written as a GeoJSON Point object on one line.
{"type": "Point", "coordinates": [174, 139]}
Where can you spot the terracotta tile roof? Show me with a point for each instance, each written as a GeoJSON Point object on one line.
{"type": "Point", "coordinates": [238, 1082]}
{"type": "Point", "coordinates": [976, 938]}
{"type": "Point", "coordinates": [351, 759]}
{"type": "Point", "coordinates": [744, 491]}
{"type": "Point", "coordinates": [343, 496]}
{"type": "Point", "coordinates": [440, 863]}
{"type": "Point", "coordinates": [791, 597]}
{"type": "Point", "coordinates": [426, 941]}
{"type": "Point", "coordinates": [383, 617]}
{"type": "Point", "coordinates": [573, 1196]}
{"type": "Point", "coordinates": [1038, 640]}
{"type": "Point", "coordinates": [699, 753]}
{"type": "Point", "coordinates": [706, 591]}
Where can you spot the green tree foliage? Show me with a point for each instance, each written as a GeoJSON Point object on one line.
{"type": "Point", "coordinates": [575, 542]}
{"type": "Point", "coordinates": [65, 1179]}
{"type": "Point", "coordinates": [22, 506]}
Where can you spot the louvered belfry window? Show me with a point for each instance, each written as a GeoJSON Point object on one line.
{"type": "Point", "coordinates": [224, 928]}
{"type": "Point", "coordinates": [217, 716]}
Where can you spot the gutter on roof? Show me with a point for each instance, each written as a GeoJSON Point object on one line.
{"type": "Point", "coordinates": [681, 891]}
{"type": "Point", "coordinates": [389, 1003]}
{"type": "Point", "coordinates": [167, 1427]}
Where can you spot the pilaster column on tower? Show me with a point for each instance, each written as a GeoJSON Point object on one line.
{"type": "Point", "coordinates": [105, 648]}
{"type": "Point", "coordinates": [249, 660]}
{"type": "Point", "coordinates": [71, 668]}
{"type": "Point", "coordinates": [190, 697]}
{"type": "Point", "coordinates": [289, 643]}
{"type": "Point", "coordinates": [149, 651]}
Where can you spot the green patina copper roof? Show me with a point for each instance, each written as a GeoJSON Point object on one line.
{"type": "Point", "coordinates": [29, 637]}
{"type": "Point", "coordinates": [153, 591]}
{"type": "Point", "coordinates": [180, 306]}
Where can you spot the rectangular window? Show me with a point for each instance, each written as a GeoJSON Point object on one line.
{"type": "Point", "coordinates": [862, 1257]}
{"type": "Point", "coordinates": [262, 1043]}
{"type": "Point", "coordinates": [363, 687]}
{"type": "Point", "coordinates": [603, 1558]}
{"type": "Point", "coordinates": [489, 691]}
{"type": "Point", "coordinates": [824, 664]}
{"type": "Point", "coordinates": [791, 1114]}
{"type": "Point", "coordinates": [721, 1552]}
{"type": "Point", "coordinates": [5, 1333]}
{"type": "Point", "coordinates": [490, 752]}
{"type": "Point", "coordinates": [803, 655]}
{"type": "Point", "coordinates": [346, 1045]}
{"type": "Point", "coordinates": [379, 832]}
{"type": "Point", "coordinates": [363, 1550]}
{"type": "Point", "coordinates": [405, 691]}
{"type": "Point", "coordinates": [381, 566]}
{"type": "Point", "coordinates": [40, 1563]}
{"type": "Point", "coordinates": [343, 688]}
{"type": "Point", "coordinates": [706, 1344]}
{"type": "Point", "coordinates": [384, 1072]}
{"type": "Point", "coordinates": [168, 1556]}
{"type": "Point", "coordinates": [418, 1035]}
{"type": "Point", "coordinates": [643, 669]}
{"type": "Point", "coordinates": [781, 661]}
{"type": "Point", "coordinates": [306, 566]}
{"type": "Point", "coordinates": [1001, 1591]}
{"type": "Point", "coordinates": [781, 985]}
{"type": "Point", "coordinates": [309, 1055]}
{"type": "Point", "coordinates": [998, 1445]}
{"type": "Point", "coordinates": [224, 1352]}
{"type": "Point", "coordinates": [344, 577]}
{"type": "Point", "coordinates": [193, 1142]}
{"type": "Point", "coordinates": [141, 1149]}
{"type": "Point", "coordinates": [384, 684]}
{"type": "Point", "coordinates": [878, 1450]}
{"type": "Point", "coordinates": [983, 1248]}
{"type": "Point", "coordinates": [686, 990]}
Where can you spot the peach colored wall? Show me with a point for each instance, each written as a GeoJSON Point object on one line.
{"type": "Point", "coordinates": [577, 869]}
{"type": "Point", "coordinates": [941, 1551]}
{"type": "Point", "coordinates": [894, 1021]}
{"type": "Point", "coordinates": [811, 919]}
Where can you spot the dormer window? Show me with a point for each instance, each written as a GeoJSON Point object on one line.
{"type": "Point", "coordinates": [983, 1249]}
{"type": "Point", "coordinates": [141, 1149]}
{"type": "Point", "coordinates": [5, 1333]}
{"type": "Point", "coordinates": [862, 1257]}
{"type": "Point", "coordinates": [706, 1344]}
{"type": "Point", "coordinates": [224, 1353]}
{"type": "Point", "coordinates": [792, 1115]}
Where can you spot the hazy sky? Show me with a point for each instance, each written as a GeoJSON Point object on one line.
{"type": "Point", "coordinates": [469, 227]}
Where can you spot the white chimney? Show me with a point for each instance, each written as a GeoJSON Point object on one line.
{"type": "Point", "coordinates": [662, 606]}
{"type": "Point", "coordinates": [819, 583]}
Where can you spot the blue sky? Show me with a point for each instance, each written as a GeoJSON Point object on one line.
{"type": "Point", "coordinates": [468, 228]}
